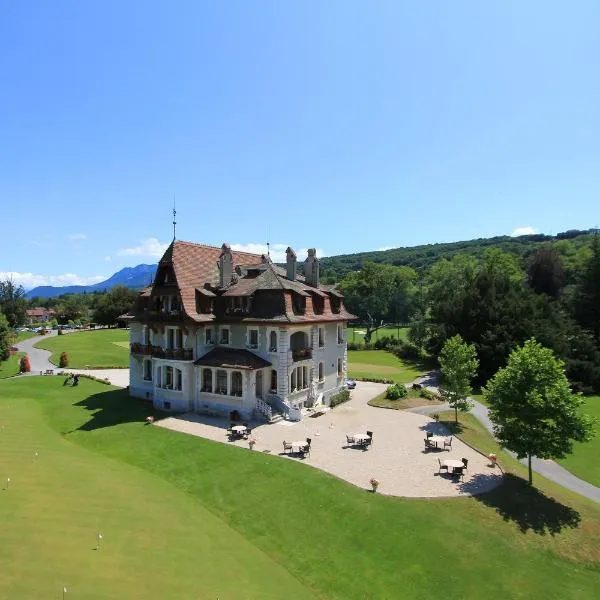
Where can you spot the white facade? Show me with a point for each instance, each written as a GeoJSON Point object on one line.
{"type": "Point", "coordinates": [308, 365]}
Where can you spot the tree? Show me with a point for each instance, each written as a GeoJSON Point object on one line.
{"type": "Point", "coordinates": [13, 303]}
{"type": "Point", "coordinates": [378, 293]}
{"type": "Point", "coordinates": [545, 272]}
{"type": "Point", "coordinates": [113, 304]}
{"type": "Point", "coordinates": [6, 337]}
{"type": "Point", "coordinates": [24, 364]}
{"type": "Point", "coordinates": [532, 408]}
{"type": "Point", "coordinates": [587, 297]}
{"type": "Point", "coordinates": [458, 362]}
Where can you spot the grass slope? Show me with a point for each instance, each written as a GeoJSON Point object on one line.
{"type": "Point", "coordinates": [10, 366]}
{"type": "Point", "coordinates": [334, 538]}
{"type": "Point", "coordinates": [159, 542]}
{"type": "Point", "coordinates": [380, 364]}
{"type": "Point", "coordinates": [24, 335]}
{"type": "Point", "coordinates": [584, 460]}
{"type": "Point", "coordinates": [357, 334]}
{"type": "Point", "coordinates": [95, 349]}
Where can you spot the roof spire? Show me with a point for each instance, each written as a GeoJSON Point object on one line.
{"type": "Point", "coordinates": [174, 220]}
{"type": "Point", "coordinates": [268, 250]}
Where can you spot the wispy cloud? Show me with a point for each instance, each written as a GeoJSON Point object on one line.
{"type": "Point", "coordinates": [527, 230]}
{"type": "Point", "coordinates": [107, 258]}
{"type": "Point", "coordinates": [31, 280]}
{"type": "Point", "coordinates": [77, 237]}
{"type": "Point", "coordinates": [149, 247]}
{"type": "Point", "coordinates": [384, 248]}
{"type": "Point", "coordinates": [277, 251]}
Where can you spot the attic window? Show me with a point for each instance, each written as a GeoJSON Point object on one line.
{"type": "Point", "coordinates": [252, 273]}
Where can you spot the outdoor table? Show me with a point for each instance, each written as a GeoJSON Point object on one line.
{"type": "Point", "coordinates": [453, 464]}
{"type": "Point", "coordinates": [438, 440]}
{"type": "Point", "coordinates": [239, 429]}
{"type": "Point", "coordinates": [360, 437]}
{"type": "Point", "coordinates": [297, 446]}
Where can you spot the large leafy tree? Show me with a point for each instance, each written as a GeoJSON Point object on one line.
{"type": "Point", "coordinates": [587, 297]}
{"type": "Point", "coordinates": [532, 408]}
{"type": "Point", "coordinates": [458, 366]}
{"type": "Point", "coordinates": [13, 303]}
{"type": "Point", "coordinates": [6, 337]}
{"type": "Point", "coordinates": [379, 293]}
{"type": "Point", "coordinates": [113, 304]}
{"type": "Point", "coordinates": [545, 272]}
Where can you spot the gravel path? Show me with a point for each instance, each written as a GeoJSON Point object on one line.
{"type": "Point", "coordinates": [40, 361]}
{"type": "Point", "coordinates": [548, 468]}
{"type": "Point", "coordinates": [397, 457]}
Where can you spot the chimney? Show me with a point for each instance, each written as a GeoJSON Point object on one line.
{"type": "Point", "coordinates": [311, 268]}
{"type": "Point", "coordinates": [225, 266]}
{"type": "Point", "coordinates": [290, 262]}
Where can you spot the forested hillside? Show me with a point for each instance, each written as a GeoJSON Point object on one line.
{"type": "Point", "coordinates": [568, 244]}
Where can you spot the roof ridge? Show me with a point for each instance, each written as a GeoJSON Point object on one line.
{"type": "Point", "coordinates": [213, 247]}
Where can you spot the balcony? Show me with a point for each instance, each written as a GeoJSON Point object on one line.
{"type": "Point", "coordinates": [170, 316]}
{"type": "Point", "coordinates": [301, 354]}
{"type": "Point", "coordinates": [173, 353]}
{"type": "Point", "coordinates": [142, 349]}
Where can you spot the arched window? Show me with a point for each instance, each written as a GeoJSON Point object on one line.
{"type": "Point", "coordinates": [259, 384]}
{"type": "Point", "coordinates": [236, 383]}
{"type": "Point", "coordinates": [273, 341]}
{"type": "Point", "coordinates": [273, 381]}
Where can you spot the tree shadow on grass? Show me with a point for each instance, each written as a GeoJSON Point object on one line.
{"type": "Point", "coordinates": [529, 508]}
{"type": "Point", "coordinates": [115, 407]}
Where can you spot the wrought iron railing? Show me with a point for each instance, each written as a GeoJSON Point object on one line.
{"type": "Point", "coordinates": [301, 353]}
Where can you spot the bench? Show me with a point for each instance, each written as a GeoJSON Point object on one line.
{"type": "Point", "coordinates": [49, 372]}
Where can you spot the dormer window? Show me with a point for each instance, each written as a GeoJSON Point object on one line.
{"type": "Point", "coordinates": [298, 304]}
{"type": "Point", "coordinates": [208, 336]}
{"type": "Point", "coordinates": [252, 339]}
{"type": "Point", "coordinates": [335, 304]}
{"type": "Point", "coordinates": [224, 339]}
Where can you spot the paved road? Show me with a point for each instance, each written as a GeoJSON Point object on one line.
{"type": "Point", "coordinates": [40, 361]}
{"type": "Point", "coordinates": [548, 468]}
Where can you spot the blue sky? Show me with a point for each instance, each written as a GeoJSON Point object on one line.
{"type": "Point", "coordinates": [346, 126]}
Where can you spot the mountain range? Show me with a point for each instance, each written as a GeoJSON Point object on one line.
{"type": "Point", "coordinates": [132, 277]}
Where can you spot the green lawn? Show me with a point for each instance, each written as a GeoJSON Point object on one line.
{"type": "Point", "coordinates": [357, 333]}
{"type": "Point", "coordinates": [584, 462]}
{"type": "Point", "coordinates": [95, 349]}
{"type": "Point", "coordinates": [184, 517]}
{"type": "Point", "coordinates": [412, 400]}
{"type": "Point", "coordinates": [24, 335]}
{"type": "Point", "coordinates": [10, 366]}
{"type": "Point", "coordinates": [380, 364]}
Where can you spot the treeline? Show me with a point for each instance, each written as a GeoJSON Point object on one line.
{"type": "Point", "coordinates": [99, 307]}
{"type": "Point", "coordinates": [495, 301]}
{"type": "Point", "coordinates": [572, 245]}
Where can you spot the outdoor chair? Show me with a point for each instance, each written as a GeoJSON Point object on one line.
{"type": "Point", "coordinates": [370, 434]}
{"type": "Point", "coordinates": [465, 462]}
{"type": "Point", "coordinates": [442, 467]}
{"type": "Point", "coordinates": [459, 471]}
{"type": "Point", "coordinates": [428, 444]}
{"type": "Point", "coordinates": [349, 440]}
{"type": "Point", "coordinates": [306, 449]}
{"type": "Point", "coordinates": [286, 447]}
{"type": "Point", "coordinates": [448, 444]}
{"type": "Point", "coordinates": [429, 434]}
{"type": "Point", "coordinates": [247, 432]}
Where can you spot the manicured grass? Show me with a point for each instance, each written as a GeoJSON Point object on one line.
{"type": "Point", "coordinates": [412, 400]}
{"type": "Point", "coordinates": [10, 366]}
{"type": "Point", "coordinates": [24, 335]}
{"type": "Point", "coordinates": [95, 349]}
{"type": "Point", "coordinates": [159, 542]}
{"type": "Point", "coordinates": [380, 364]}
{"type": "Point", "coordinates": [356, 334]}
{"type": "Point", "coordinates": [584, 462]}
{"type": "Point", "coordinates": [166, 521]}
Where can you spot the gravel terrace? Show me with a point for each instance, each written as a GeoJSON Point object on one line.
{"type": "Point", "coordinates": [396, 458]}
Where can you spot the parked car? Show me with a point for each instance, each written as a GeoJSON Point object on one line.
{"type": "Point", "coordinates": [350, 384]}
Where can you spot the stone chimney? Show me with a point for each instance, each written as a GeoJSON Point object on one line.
{"type": "Point", "coordinates": [290, 263]}
{"type": "Point", "coordinates": [311, 268]}
{"type": "Point", "coordinates": [225, 266]}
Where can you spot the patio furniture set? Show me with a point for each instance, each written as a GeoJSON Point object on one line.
{"type": "Point", "coordinates": [437, 442]}
{"type": "Point", "coordinates": [300, 448]}
{"type": "Point", "coordinates": [454, 467]}
{"type": "Point", "coordinates": [362, 440]}
{"type": "Point", "coordinates": [236, 432]}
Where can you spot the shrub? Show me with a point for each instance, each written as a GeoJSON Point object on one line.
{"type": "Point", "coordinates": [63, 361]}
{"type": "Point", "coordinates": [25, 365]}
{"type": "Point", "coordinates": [395, 392]}
{"type": "Point", "coordinates": [407, 350]}
{"type": "Point", "coordinates": [374, 380]}
{"type": "Point", "coordinates": [428, 394]}
{"type": "Point", "coordinates": [339, 398]}
{"type": "Point", "coordinates": [106, 380]}
{"type": "Point", "coordinates": [60, 332]}
{"type": "Point", "coordinates": [355, 346]}
{"type": "Point", "coordinates": [386, 342]}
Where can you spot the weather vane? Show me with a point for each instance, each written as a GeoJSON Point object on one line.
{"type": "Point", "coordinates": [268, 250]}
{"type": "Point", "coordinates": [174, 220]}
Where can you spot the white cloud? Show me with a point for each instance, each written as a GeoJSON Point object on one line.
{"type": "Point", "coordinates": [30, 280]}
{"type": "Point", "coordinates": [527, 230]}
{"type": "Point", "coordinates": [107, 258]}
{"type": "Point", "coordinates": [149, 247]}
{"type": "Point", "coordinates": [77, 237]}
{"type": "Point", "coordinates": [277, 251]}
{"type": "Point", "coordinates": [383, 248]}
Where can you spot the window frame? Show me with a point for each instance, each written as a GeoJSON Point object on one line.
{"type": "Point", "coordinates": [249, 333]}
{"type": "Point", "coordinates": [223, 329]}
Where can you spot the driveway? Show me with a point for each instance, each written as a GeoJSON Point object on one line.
{"type": "Point", "coordinates": [397, 457]}
{"type": "Point", "coordinates": [40, 362]}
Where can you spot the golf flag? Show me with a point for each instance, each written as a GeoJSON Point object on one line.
{"type": "Point", "coordinates": [65, 590]}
